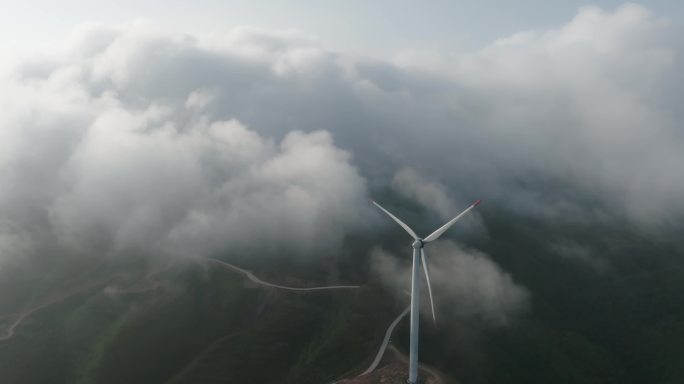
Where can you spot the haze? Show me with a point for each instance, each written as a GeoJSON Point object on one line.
{"type": "Point", "coordinates": [167, 134]}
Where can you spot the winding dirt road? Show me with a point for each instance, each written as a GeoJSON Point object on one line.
{"type": "Point", "coordinates": [385, 341]}
{"type": "Point", "coordinates": [19, 317]}
{"type": "Point", "coordinates": [257, 280]}
{"type": "Point", "coordinates": [436, 376]}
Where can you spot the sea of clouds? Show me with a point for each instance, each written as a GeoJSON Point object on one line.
{"type": "Point", "coordinates": [134, 139]}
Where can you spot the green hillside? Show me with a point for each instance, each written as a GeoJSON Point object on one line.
{"type": "Point", "coordinates": [201, 325]}
{"type": "Point", "coordinates": [194, 322]}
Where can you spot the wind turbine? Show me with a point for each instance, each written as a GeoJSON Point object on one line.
{"type": "Point", "coordinates": [418, 257]}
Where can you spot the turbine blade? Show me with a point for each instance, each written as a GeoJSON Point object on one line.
{"type": "Point", "coordinates": [436, 234]}
{"type": "Point", "coordinates": [427, 277]}
{"type": "Point", "coordinates": [403, 225]}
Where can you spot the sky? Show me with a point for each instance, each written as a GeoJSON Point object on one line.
{"type": "Point", "coordinates": [372, 28]}
{"type": "Point", "coordinates": [159, 129]}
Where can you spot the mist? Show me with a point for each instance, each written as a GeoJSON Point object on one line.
{"type": "Point", "coordinates": [467, 285]}
{"type": "Point", "coordinates": [131, 139]}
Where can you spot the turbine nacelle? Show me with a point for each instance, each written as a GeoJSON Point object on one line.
{"type": "Point", "coordinates": [418, 244]}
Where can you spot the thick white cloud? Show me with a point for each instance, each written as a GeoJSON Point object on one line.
{"type": "Point", "coordinates": [135, 138]}
{"type": "Point", "coordinates": [107, 150]}
{"type": "Point", "coordinates": [592, 103]}
{"type": "Point", "coordinates": [141, 183]}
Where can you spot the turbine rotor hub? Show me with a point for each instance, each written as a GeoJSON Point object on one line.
{"type": "Point", "coordinates": [418, 244]}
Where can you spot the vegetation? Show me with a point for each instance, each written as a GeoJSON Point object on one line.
{"type": "Point", "coordinates": [621, 322]}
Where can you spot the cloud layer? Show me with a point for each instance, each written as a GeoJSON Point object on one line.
{"type": "Point", "coordinates": [137, 139]}
{"type": "Point", "coordinates": [590, 105]}
{"type": "Point", "coordinates": [105, 152]}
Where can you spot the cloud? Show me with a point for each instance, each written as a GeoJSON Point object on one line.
{"type": "Point", "coordinates": [112, 149]}
{"type": "Point", "coordinates": [581, 253]}
{"type": "Point", "coordinates": [14, 243]}
{"type": "Point", "coordinates": [136, 182]}
{"type": "Point", "coordinates": [466, 284]}
{"type": "Point", "coordinates": [432, 195]}
{"type": "Point", "coordinates": [588, 104]}
{"type": "Point", "coordinates": [134, 138]}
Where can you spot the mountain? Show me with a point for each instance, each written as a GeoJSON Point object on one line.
{"type": "Point", "coordinates": [196, 321]}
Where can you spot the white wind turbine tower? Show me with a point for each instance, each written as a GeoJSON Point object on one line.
{"type": "Point", "coordinates": [418, 257]}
